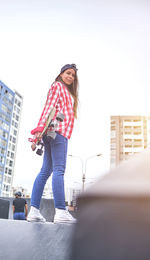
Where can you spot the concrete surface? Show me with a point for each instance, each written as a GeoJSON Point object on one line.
{"type": "Point", "coordinates": [34, 241]}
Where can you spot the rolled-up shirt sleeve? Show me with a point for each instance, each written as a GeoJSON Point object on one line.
{"type": "Point", "coordinates": [52, 99]}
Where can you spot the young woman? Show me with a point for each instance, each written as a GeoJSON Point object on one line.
{"type": "Point", "coordinates": [63, 95]}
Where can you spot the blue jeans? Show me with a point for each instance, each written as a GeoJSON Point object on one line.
{"type": "Point", "coordinates": [19, 215]}
{"type": "Point", "coordinates": [55, 154]}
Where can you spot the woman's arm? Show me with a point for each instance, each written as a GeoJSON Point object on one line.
{"type": "Point", "coordinates": [13, 208]}
{"type": "Point", "coordinates": [26, 210]}
{"type": "Point", "coordinates": [52, 99]}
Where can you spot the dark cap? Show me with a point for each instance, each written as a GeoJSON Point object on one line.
{"type": "Point", "coordinates": [18, 193]}
{"type": "Point", "coordinates": [69, 66]}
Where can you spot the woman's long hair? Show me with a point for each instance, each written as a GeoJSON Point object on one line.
{"type": "Point", "coordinates": [73, 89]}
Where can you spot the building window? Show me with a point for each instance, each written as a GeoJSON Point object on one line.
{"type": "Point", "coordinates": [128, 127]}
{"type": "Point", "coordinates": [137, 120]}
{"type": "Point", "coordinates": [127, 120]}
{"type": "Point", "coordinates": [1, 168]}
{"type": "Point", "coordinates": [13, 147]}
{"type": "Point", "coordinates": [3, 142]}
{"type": "Point", "coordinates": [12, 155]}
{"type": "Point", "coordinates": [138, 133]}
{"type": "Point", "coordinates": [10, 163]}
{"type": "Point", "coordinates": [6, 187]}
{"type": "Point", "coordinates": [8, 94]}
{"type": "Point", "coordinates": [18, 102]}
{"type": "Point", "coordinates": [2, 150]}
{"type": "Point", "coordinates": [6, 110]}
{"type": "Point", "coordinates": [5, 117]}
{"type": "Point", "coordinates": [14, 140]}
{"type": "Point", "coordinates": [7, 162]}
{"type": "Point", "coordinates": [5, 134]}
{"type": "Point", "coordinates": [7, 179]}
{"type": "Point", "coordinates": [15, 132]}
{"type": "Point", "coordinates": [4, 125]}
{"type": "Point", "coordinates": [16, 124]}
{"type": "Point", "coordinates": [17, 117]}
{"type": "Point", "coordinates": [10, 172]}
{"type": "Point", "coordinates": [2, 159]}
{"type": "Point", "coordinates": [16, 109]}
{"type": "Point", "coordinates": [7, 102]}
{"type": "Point", "coordinates": [113, 146]}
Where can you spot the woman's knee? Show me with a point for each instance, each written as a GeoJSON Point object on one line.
{"type": "Point", "coordinates": [43, 176]}
{"type": "Point", "coordinates": [58, 172]}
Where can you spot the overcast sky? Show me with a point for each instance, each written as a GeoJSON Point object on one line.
{"type": "Point", "coordinates": [110, 43]}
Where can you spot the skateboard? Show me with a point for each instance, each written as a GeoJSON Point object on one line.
{"type": "Point", "coordinates": [52, 124]}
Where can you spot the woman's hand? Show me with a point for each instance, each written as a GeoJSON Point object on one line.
{"type": "Point", "coordinates": [37, 138]}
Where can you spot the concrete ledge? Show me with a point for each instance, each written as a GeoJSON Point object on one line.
{"type": "Point", "coordinates": [4, 208]}
{"type": "Point", "coordinates": [36, 241]}
{"type": "Point", "coordinates": [46, 207]}
{"type": "Point", "coordinates": [114, 214]}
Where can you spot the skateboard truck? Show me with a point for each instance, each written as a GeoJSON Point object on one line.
{"type": "Point", "coordinates": [54, 124]}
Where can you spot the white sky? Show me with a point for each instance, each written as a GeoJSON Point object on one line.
{"type": "Point", "coordinates": [110, 43]}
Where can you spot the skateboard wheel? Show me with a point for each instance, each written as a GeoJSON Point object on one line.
{"type": "Point", "coordinates": [39, 151]}
{"type": "Point", "coordinates": [60, 117]}
{"type": "Point", "coordinates": [54, 124]}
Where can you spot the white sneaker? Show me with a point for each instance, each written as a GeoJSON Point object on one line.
{"type": "Point", "coordinates": [63, 216]}
{"type": "Point", "coordinates": [35, 215]}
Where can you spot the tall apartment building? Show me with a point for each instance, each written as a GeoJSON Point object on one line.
{"type": "Point", "coordinates": [10, 113]}
{"type": "Point", "coordinates": [129, 135]}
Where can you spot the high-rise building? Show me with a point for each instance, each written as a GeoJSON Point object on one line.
{"type": "Point", "coordinates": [129, 135]}
{"type": "Point", "coordinates": [10, 113]}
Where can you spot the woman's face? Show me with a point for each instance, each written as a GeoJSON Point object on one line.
{"type": "Point", "coordinates": [68, 76]}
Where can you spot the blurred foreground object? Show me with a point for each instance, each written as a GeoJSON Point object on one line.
{"type": "Point", "coordinates": [114, 215]}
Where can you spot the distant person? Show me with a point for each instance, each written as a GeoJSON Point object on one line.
{"type": "Point", "coordinates": [20, 208]}
{"type": "Point", "coordinates": [63, 95]}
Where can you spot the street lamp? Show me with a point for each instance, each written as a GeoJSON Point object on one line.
{"type": "Point", "coordinates": [84, 171]}
{"type": "Point", "coordinates": [81, 160]}
{"type": "Point", "coordinates": [83, 176]}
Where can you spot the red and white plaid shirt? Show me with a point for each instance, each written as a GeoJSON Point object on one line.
{"type": "Point", "coordinates": [60, 98]}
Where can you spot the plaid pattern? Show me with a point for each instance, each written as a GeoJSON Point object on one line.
{"type": "Point", "coordinates": [60, 98]}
